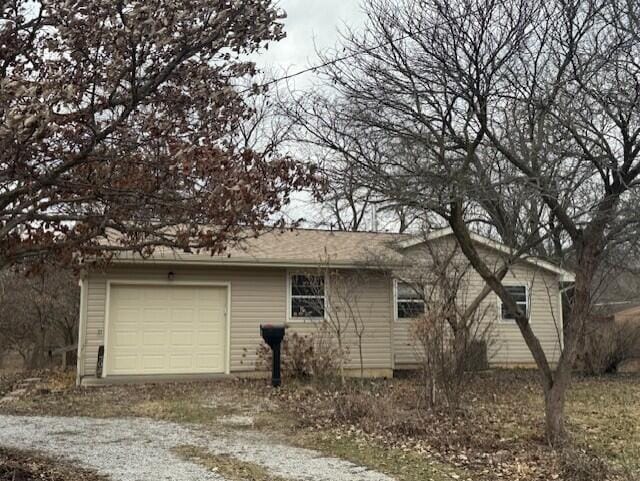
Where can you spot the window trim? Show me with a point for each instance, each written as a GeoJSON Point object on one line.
{"type": "Point", "coordinates": [289, 317]}
{"type": "Point", "coordinates": [511, 321]}
{"type": "Point", "coordinates": [395, 302]}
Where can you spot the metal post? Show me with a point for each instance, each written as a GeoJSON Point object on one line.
{"type": "Point", "coordinates": [275, 374]}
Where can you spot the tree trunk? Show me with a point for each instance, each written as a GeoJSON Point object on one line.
{"type": "Point", "coordinates": [460, 350]}
{"type": "Point", "coordinates": [555, 391]}
{"type": "Point", "coordinates": [38, 358]}
{"type": "Point", "coordinates": [554, 401]}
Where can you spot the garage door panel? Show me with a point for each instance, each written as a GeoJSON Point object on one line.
{"type": "Point", "coordinates": [206, 361]}
{"type": "Point", "coordinates": [155, 338]}
{"type": "Point", "coordinates": [130, 297]}
{"type": "Point", "coordinates": [190, 295]}
{"type": "Point", "coordinates": [181, 338]}
{"type": "Point", "coordinates": [125, 361]}
{"type": "Point", "coordinates": [155, 314]}
{"type": "Point", "coordinates": [182, 316]}
{"type": "Point", "coordinates": [204, 315]}
{"type": "Point", "coordinates": [126, 338]}
{"type": "Point", "coordinates": [153, 294]}
{"type": "Point", "coordinates": [154, 362]}
{"type": "Point", "coordinates": [208, 338]}
{"type": "Point", "coordinates": [181, 361]}
{"type": "Point", "coordinates": [166, 330]}
{"type": "Point", "coordinates": [127, 314]}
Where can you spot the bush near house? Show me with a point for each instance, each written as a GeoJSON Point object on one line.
{"type": "Point", "coordinates": [303, 355]}
{"type": "Point", "coordinates": [607, 345]}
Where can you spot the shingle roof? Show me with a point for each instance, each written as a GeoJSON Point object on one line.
{"type": "Point", "coordinates": [296, 247]}
{"type": "Point", "coordinates": [317, 247]}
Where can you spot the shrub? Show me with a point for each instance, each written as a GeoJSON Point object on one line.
{"type": "Point", "coordinates": [606, 345]}
{"type": "Point", "coordinates": [354, 405]}
{"type": "Point", "coordinates": [303, 355]}
{"type": "Point", "coordinates": [447, 358]}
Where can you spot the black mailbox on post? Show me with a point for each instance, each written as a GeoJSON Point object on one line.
{"type": "Point", "coordinates": [273, 336]}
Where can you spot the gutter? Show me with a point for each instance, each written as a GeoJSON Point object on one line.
{"type": "Point", "coordinates": [253, 263]}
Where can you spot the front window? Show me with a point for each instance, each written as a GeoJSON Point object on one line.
{"type": "Point", "coordinates": [307, 296]}
{"type": "Point", "coordinates": [409, 301]}
{"type": "Point", "coordinates": [519, 294]}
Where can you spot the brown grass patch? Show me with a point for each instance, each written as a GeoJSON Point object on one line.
{"type": "Point", "coordinates": [18, 465]}
{"type": "Point", "coordinates": [228, 467]}
{"type": "Point", "coordinates": [198, 402]}
{"type": "Point", "coordinates": [497, 432]}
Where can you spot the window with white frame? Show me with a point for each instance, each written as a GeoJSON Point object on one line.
{"type": "Point", "coordinates": [409, 301]}
{"type": "Point", "coordinates": [306, 296]}
{"type": "Point", "coordinates": [519, 295]}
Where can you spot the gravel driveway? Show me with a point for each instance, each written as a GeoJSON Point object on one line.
{"type": "Point", "coordinates": [139, 449]}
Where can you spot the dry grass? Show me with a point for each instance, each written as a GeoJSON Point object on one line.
{"type": "Point", "coordinates": [383, 423]}
{"type": "Point", "coordinates": [402, 463]}
{"type": "Point", "coordinates": [605, 418]}
{"type": "Point", "coordinates": [18, 465]}
{"type": "Point", "coordinates": [228, 467]}
{"type": "Point", "coordinates": [195, 402]}
{"type": "Point", "coordinates": [498, 432]}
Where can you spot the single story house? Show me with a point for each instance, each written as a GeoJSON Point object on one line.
{"type": "Point", "coordinates": [189, 315]}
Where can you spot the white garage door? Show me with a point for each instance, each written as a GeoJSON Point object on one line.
{"type": "Point", "coordinates": [156, 329]}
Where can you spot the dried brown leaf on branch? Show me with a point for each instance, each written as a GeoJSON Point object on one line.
{"type": "Point", "coordinates": [127, 116]}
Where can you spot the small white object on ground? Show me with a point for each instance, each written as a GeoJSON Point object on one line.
{"type": "Point", "coordinates": [140, 449]}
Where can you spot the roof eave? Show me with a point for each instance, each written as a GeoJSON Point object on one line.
{"type": "Point", "coordinates": [284, 263]}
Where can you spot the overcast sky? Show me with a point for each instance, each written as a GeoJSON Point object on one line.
{"type": "Point", "coordinates": [310, 24]}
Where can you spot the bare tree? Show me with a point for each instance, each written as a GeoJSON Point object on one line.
{"type": "Point", "coordinates": [524, 120]}
{"type": "Point", "coordinates": [127, 116]}
{"type": "Point", "coordinates": [454, 321]}
{"type": "Point", "coordinates": [346, 308]}
{"type": "Point", "coordinates": [38, 312]}
{"type": "Point", "coordinates": [324, 127]}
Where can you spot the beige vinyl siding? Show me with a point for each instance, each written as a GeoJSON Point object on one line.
{"type": "Point", "coordinates": [94, 334]}
{"type": "Point", "coordinates": [404, 348]}
{"type": "Point", "coordinates": [506, 346]}
{"type": "Point", "coordinates": [545, 319]}
{"type": "Point", "coordinates": [258, 295]}
{"type": "Point", "coordinates": [372, 298]}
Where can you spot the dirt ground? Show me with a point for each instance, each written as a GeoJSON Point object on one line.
{"type": "Point", "coordinates": [383, 424]}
